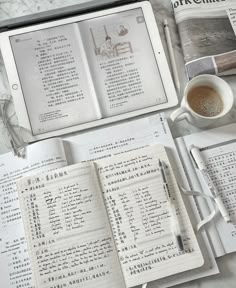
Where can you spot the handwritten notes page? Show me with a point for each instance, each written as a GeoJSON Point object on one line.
{"type": "Point", "coordinates": [139, 215]}
{"type": "Point", "coordinates": [68, 235]}
{"type": "Point", "coordinates": [221, 164]}
{"type": "Point", "coordinates": [218, 148]}
{"type": "Point", "coordinates": [14, 259]}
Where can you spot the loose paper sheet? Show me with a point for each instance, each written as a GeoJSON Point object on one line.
{"type": "Point", "coordinates": [14, 259]}
{"type": "Point", "coordinates": [218, 148]}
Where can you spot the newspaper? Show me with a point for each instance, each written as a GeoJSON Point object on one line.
{"type": "Point", "coordinates": [207, 30]}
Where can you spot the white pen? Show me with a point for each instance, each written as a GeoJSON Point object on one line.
{"type": "Point", "coordinates": [172, 56]}
{"type": "Point", "coordinates": [175, 222]}
{"type": "Point", "coordinates": [196, 155]}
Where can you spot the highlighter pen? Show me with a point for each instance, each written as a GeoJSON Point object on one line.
{"type": "Point", "coordinates": [176, 231]}
{"type": "Point", "coordinates": [196, 155]}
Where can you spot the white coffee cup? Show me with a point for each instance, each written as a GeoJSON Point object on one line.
{"type": "Point", "coordinates": [185, 111]}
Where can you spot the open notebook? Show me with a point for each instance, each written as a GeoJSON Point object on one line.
{"type": "Point", "coordinates": [218, 149]}
{"type": "Point", "coordinates": [107, 221]}
{"type": "Point", "coordinates": [56, 153]}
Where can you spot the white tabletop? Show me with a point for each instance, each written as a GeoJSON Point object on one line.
{"type": "Point", "coordinates": [162, 9]}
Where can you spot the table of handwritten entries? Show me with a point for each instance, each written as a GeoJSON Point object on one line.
{"type": "Point", "coordinates": [221, 164]}
{"type": "Point", "coordinates": [222, 168]}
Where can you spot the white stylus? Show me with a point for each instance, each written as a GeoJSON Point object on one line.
{"type": "Point", "coordinates": [197, 157]}
{"type": "Point", "coordinates": [171, 54]}
{"type": "Point", "coordinates": [176, 231]}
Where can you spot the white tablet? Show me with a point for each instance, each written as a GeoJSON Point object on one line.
{"type": "Point", "coordinates": [88, 70]}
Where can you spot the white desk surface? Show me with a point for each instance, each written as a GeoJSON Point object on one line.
{"type": "Point", "coordinates": [162, 9]}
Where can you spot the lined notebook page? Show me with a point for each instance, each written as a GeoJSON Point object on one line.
{"type": "Point", "coordinates": [68, 235]}
{"type": "Point", "coordinates": [220, 161]}
{"type": "Point", "coordinates": [140, 216]}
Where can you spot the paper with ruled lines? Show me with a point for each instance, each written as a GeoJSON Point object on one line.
{"type": "Point", "coordinates": [140, 218]}
{"type": "Point", "coordinates": [68, 236]}
{"type": "Point", "coordinates": [218, 148]}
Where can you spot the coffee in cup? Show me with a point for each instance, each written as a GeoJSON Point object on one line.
{"type": "Point", "coordinates": [206, 99]}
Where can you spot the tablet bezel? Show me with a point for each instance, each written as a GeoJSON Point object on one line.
{"type": "Point", "coordinates": [15, 85]}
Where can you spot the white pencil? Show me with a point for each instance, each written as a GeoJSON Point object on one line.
{"type": "Point", "coordinates": [172, 56]}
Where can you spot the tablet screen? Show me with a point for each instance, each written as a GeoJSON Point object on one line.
{"type": "Point", "coordinates": [87, 70]}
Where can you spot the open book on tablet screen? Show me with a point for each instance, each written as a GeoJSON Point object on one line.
{"type": "Point", "coordinates": [88, 70]}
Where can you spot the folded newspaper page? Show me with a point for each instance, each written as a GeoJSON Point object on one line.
{"type": "Point", "coordinates": [207, 30]}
